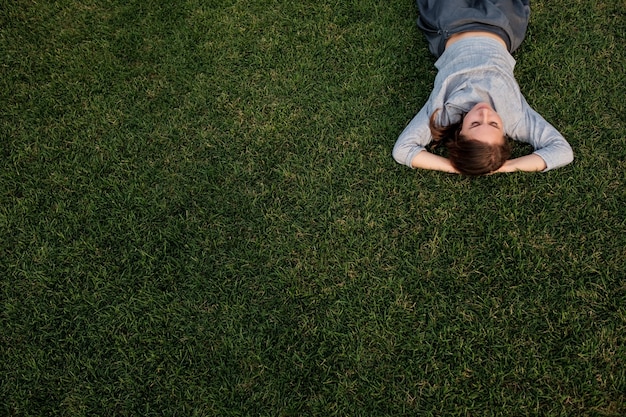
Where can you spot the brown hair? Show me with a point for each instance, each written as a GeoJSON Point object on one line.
{"type": "Point", "coordinates": [468, 156]}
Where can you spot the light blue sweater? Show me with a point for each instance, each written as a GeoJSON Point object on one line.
{"type": "Point", "coordinates": [474, 70]}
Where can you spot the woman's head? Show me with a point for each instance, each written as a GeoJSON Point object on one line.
{"type": "Point", "coordinates": [477, 144]}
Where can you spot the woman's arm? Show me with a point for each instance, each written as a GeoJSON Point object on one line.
{"type": "Point", "coordinates": [427, 160]}
{"type": "Point", "coordinates": [413, 139]}
{"type": "Point", "coordinates": [532, 162]}
{"type": "Point", "coordinates": [410, 147]}
{"type": "Point", "coordinates": [549, 144]}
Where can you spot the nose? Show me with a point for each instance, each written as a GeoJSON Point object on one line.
{"type": "Point", "coordinates": [484, 114]}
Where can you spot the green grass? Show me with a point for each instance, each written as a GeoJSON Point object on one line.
{"type": "Point", "coordinates": [200, 216]}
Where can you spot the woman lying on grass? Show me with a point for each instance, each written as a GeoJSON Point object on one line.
{"type": "Point", "coordinates": [476, 104]}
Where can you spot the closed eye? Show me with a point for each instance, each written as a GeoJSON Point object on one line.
{"type": "Point", "coordinates": [492, 124]}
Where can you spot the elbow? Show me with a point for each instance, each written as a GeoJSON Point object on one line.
{"type": "Point", "coordinates": [399, 154]}
{"type": "Point", "coordinates": [557, 157]}
{"type": "Point", "coordinates": [397, 158]}
{"type": "Point", "coordinates": [567, 156]}
{"type": "Point", "coordinates": [570, 156]}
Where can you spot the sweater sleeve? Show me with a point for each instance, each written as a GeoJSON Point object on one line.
{"type": "Point", "coordinates": [548, 142]}
{"type": "Point", "coordinates": [413, 138]}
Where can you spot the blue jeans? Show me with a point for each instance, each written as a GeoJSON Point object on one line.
{"type": "Point", "coordinates": [440, 19]}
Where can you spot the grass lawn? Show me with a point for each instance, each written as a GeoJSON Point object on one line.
{"type": "Point", "coordinates": [200, 216]}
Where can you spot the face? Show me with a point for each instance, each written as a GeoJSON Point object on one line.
{"type": "Point", "coordinates": [482, 123]}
